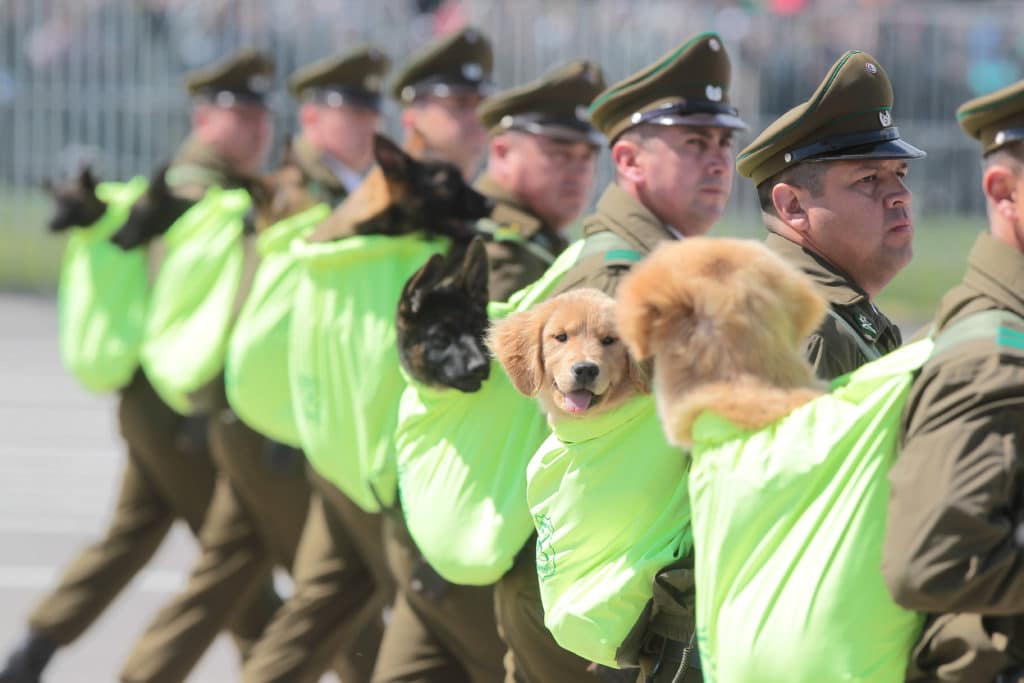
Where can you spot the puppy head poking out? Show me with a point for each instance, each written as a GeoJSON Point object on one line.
{"type": "Point", "coordinates": [75, 201]}
{"type": "Point", "coordinates": [401, 195]}
{"type": "Point", "coordinates": [153, 213]}
{"type": "Point", "coordinates": [442, 319]}
{"type": "Point", "coordinates": [725, 321]}
{"type": "Point", "coordinates": [566, 351]}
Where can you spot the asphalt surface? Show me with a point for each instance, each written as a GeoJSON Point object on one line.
{"type": "Point", "coordinates": [60, 462]}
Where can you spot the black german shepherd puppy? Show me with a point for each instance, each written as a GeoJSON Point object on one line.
{"type": "Point", "coordinates": [152, 214]}
{"type": "Point", "coordinates": [442, 319]}
{"type": "Point", "coordinates": [75, 202]}
{"type": "Point", "coordinates": [401, 195]}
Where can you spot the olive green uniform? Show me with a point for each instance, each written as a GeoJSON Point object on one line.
{"type": "Point", "coordinates": [854, 332]}
{"type": "Point", "coordinates": [953, 538]}
{"type": "Point", "coordinates": [255, 521]}
{"type": "Point", "coordinates": [169, 475]}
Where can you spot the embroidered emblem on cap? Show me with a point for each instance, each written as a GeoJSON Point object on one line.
{"type": "Point", "coordinates": [885, 118]}
{"type": "Point", "coordinates": [472, 71]}
{"type": "Point", "coordinates": [871, 68]}
{"type": "Point", "coordinates": [581, 113]}
{"type": "Point", "coordinates": [714, 44]}
{"type": "Point", "coordinates": [713, 92]}
{"type": "Point", "coordinates": [258, 83]}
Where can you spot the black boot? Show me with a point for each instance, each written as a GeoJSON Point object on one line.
{"type": "Point", "coordinates": [26, 663]}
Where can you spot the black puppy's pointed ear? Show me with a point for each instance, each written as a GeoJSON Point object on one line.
{"type": "Point", "coordinates": [412, 294]}
{"type": "Point", "coordinates": [87, 179]}
{"type": "Point", "coordinates": [395, 163]}
{"type": "Point", "coordinates": [474, 273]}
{"type": "Point", "coordinates": [158, 181]}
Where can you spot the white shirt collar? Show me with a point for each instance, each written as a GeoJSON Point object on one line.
{"type": "Point", "coordinates": [349, 179]}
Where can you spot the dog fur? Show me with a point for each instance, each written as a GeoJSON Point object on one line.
{"type": "Point", "coordinates": [564, 348]}
{"type": "Point", "coordinates": [280, 194]}
{"type": "Point", "coordinates": [75, 201]}
{"type": "Point", "coordinates": [442, 320]}
{"type": "Point", "coordinates": [152, 214]}
{"type": "Point", "coordinates": [401, 195]}
{"type": "Point", "coordinates": [725, 322]}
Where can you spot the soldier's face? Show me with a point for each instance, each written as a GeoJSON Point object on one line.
{"type": "Point", "coordinates": [552, 177]}
{"type": "Point", "coordinates": [241, 132]}
{"type": "Point", "coordinates": [861, 220]}
{"type": "Point", "coordinates": [685, 174]}
{"type": "Point", "coordinates": [450, 128]}
{"type": "Point", "coordinates": [345, 132]}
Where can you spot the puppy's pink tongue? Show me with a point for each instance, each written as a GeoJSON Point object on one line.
{"type": "Point", "coordinates": [578, 401]}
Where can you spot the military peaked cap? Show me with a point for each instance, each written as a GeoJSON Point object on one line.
{"type": "Point", "coordinates": [354, 78]}
{"type": "Point", "coordinates": [554, 105]}
{"type": "Point", "coordinates": [849, 116]}
{"type": "Point", "coordinates": [688, 86]}
{"type": "Point", "coordinates": [462, 61]}
{"type": "Point", "coordinates": [995, 119]}
{"type": "Point", "coordinates": [242, 78]}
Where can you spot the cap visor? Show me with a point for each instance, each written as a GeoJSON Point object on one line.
{"type": "Point", "coordinates": [888, 149]}
{"type": "Point", "coordinates": [702, 120]}
{"type": "Point", "coordinates": [563, 133]}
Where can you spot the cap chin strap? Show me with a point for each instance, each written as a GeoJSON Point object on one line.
{"type": "Point", "coordinates": [841, 142]}
{"type": "Point", "coordinates": [1008, 135]}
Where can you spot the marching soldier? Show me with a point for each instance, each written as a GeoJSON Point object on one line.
{"type": "Point", "coordinates": [540, 171]}
{"type": "Point", "coordinates": [953, 546]}
{"type": "Point", "coordinates": [169, 474]}
{"type": "Point", "coordinates": [262, 494]}
{"type": "Point", "coordinates": [830, 178]}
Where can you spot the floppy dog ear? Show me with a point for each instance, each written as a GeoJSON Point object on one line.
{"type": "Point", "coordinates": [396, 164]}
{"type": "Point", "coordinates": [430, 272]}
{"type": "Point", "coordinates": [474, 272]}
{"type": "Point", "coordinates": [515, 342]}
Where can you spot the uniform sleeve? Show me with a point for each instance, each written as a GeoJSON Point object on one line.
{"type": "Point", "coordinates": [595, 272]}
{"type": "Point", "coordinates": [953, 541]}
{"type": "Point", "coordinates": [832, 354]}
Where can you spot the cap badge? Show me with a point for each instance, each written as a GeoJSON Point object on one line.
{"type": "Point", "coordinates": [408, 93]}
{"type": "Point", "coordinates": [472, 71]}
{"type": "Point", "coordinates": [506, 121]}
{"type": "Point", "coordinates": [581, 113]}
{"type": "Point", "coordinates": [885, 118]}
{"type": "Point", "coordinates": [713, 92]}
{"type": "Point", "coordinates": [1000, 137]}
{"type": "Point", "coordinates": [871, 68]}
{"type": "Point", "coordinates": [334, 98]}
{"type": "Point", "coordinates": [258, 83]}
{"type": "Point", "coordinates": [714, 45]}
{"type": "Point", "coordinates": [637, 117]}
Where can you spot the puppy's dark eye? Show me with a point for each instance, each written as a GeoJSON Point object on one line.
{"type": "Point", "coordinates": [562, 337]}
{"type": "Point", "coordinates": [608, 341]}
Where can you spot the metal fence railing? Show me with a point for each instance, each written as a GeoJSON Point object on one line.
{"type": "Point", "coordinates": [99, 79]}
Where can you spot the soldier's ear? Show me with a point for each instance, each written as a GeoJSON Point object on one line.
{"type": "Point", "coordinates": [396, 164]}
{"type": "Point", "coordinates": [789, 206]}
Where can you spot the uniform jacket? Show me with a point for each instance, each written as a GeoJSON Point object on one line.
{"type": "Point", "coordinates": [316, 174]}
{"type": "Point", "coordinates": [621, 231]}
{"type": "Point", "coordinates": [513, 264]}
{"type": "Point", "coordinates": [853, 328]}
{"type": "Point", "coordinates": [954, 541]}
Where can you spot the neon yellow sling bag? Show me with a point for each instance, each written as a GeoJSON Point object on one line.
{"type": "Point", "coordinates": [102, 296]}
{"type": "Point", "coordinates": [256, 366]}
{"type": "Point", "coordinates": [193, 297]}
{"type": "Point", "coordinates": [343, 358]}
{"type": "Point", "coordinates": [609, 499]}
{"type": "Point", "coordinates": [462, 461]}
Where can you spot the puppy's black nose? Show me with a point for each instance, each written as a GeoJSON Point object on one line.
{"type": "Point", "coordinates": [585, 371]}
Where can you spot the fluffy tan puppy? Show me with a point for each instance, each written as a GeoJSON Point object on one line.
{"type": "Point", "coordinates": [567, 353]}
{"type": "Point", "coordinates": [725, 321]}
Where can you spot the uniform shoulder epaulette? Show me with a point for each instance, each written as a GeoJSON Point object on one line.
{"type": "Point", "coordinates": [1003, 328]}
{"type": "Point", "coordinates": [613, 250]}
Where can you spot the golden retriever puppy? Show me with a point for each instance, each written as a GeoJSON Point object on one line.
{"type": "Point", "coordinates": [566, 351]}
{"type": "Point", "coordinates": [725, 321]}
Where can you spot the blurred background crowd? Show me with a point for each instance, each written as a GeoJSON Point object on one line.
{"type": "Point", "coordinates": [99, 80]}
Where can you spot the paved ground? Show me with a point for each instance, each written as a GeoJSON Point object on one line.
{"type": "Point", "coordinates": [60, 457]}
